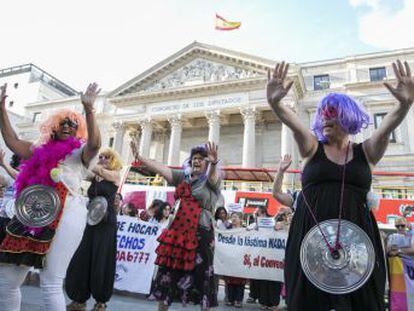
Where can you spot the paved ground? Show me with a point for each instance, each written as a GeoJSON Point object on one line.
{"type": "Point", "coordinates": [31, 301]}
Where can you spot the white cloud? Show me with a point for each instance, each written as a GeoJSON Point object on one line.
{"type": "Point", "coordinates": [383, 26]}
{"type": "Point", "coordinates": [369, 3]}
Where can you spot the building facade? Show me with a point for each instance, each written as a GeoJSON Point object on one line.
{"type": "Point", "coordinates": [205, 92]}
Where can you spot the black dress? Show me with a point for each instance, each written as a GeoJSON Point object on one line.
{"type": "Point", "coordinates": [92, 268]}
{"type": "Point", "coordinates": [321, 182]}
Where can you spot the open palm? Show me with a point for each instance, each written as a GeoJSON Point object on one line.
{"type": "Point", "coordinates": [285, 162]}
{"type": "Point", "coordinates": [404, 92]}
{"type": "Point", "coordinates": [276, 87]}
{"type": "Point", "coordinates": [212, 152]}
{"type": "Point", "coordinates": [88, 98]}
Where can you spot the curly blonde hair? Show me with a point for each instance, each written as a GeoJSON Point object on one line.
{"type": "Point", "coordinates": [51, 125]}
{"type": "Point", "coordinates": [115, 163]}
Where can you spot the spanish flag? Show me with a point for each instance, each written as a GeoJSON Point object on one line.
{"type": "Point", "coordinates": [223, 24]}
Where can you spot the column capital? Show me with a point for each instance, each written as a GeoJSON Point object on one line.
{"type": "Point", "coordinates": [175, 121]}
{"type": "Point", "coordinates": [145, 123]}
{"type": "Point", "coordinates": [132, 133]}
{"type": "Point", "coordinates": [248, 113]}
{"type": "Point", "coordinates": [213, 116]}
{"type": "Point", "coordinates": [116, 125]}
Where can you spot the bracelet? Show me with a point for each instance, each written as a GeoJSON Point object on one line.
{"type": "Point", "coordinates": [89, 111]}
{"type": "Point", "coordinates": [215, 163]}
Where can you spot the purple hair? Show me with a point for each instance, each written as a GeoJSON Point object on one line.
{"type": "Point", "coordinates": [351, 115]}
{"type": "Point", "coordinates": [202, 150]}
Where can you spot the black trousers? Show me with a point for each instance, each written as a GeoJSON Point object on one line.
{"type": "Point", "coordinates": [269, 293]}
{"type": "Point", "coordinates": [254, 289]}
{"type": "Point", "coordinates": [235, 292]}
{"type": "Point", "coordinates": [92, 268]}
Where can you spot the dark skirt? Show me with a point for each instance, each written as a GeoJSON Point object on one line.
{"type": "Point", "coordinates": [196, 286]}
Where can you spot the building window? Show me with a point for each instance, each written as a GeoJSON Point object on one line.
{"type": "Point", "coordinates": [321, 82]}
{"type": "Point", "coordinates": [36, 116]}
{"type": "Point", "coordinates": [11, 103]}
{"type": "Point", "coordinates": [111, 142]}
{"type": "Point", "coordinates": [377, 74]}
{"type": "Point", "coordinates": [391, 193]}
{"type": "Point", "coordinates": [378, 117]}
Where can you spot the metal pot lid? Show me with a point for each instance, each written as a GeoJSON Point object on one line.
{"type": "Point", "coordinates": [37, 206]}
{"type": "Point", "coordinates": [343, 271]}
{"type": "Point", "coordinates": [97, 209]}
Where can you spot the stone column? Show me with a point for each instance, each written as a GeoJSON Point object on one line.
{"type": "Point", "coordinates": [249, 137]}
{"type": "Point", "coordinates": [130, 134]}
{"type": "Point", "coordinates": [146, 134]}
{"type": "Point", "coordinates": [118, 130]}
{"type": "Point", "coordinates": [213, 119]}
{"type": "Point", "coordinates": [175, 140]}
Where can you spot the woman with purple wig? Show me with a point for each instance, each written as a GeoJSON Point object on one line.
{"type": "Point", "coordinates": [333, 165]}
{"type": "Point", "coordinates": [186, 250]}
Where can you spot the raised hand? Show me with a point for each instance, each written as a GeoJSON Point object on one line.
{"type": "Point", "coordinates": [3, 95]}
{"type": "Point", "coordinates": [276, 87]}
{"type": "Point", "coordinates": [285, 162]}
{"type": "Point", "coordinates": [134, 150]}
{"type": "Point", "coordinates": [212, 152]}
{"type": "Point", "coordinates": [404, 92]}
{"type": "Point", "coordinates": [88, 98]}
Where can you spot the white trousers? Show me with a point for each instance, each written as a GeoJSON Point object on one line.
{"type": "Point", "coordinates": [67, 239]}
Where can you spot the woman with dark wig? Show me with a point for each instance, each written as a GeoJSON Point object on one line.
{"type": "Point", "coordinates": [334, 165]}
{"type": "Point", "coordinates": [186, 250]}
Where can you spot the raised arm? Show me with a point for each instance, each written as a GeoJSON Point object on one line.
{"type": "Point", "coordinates": [376, 145]}
{"type": "Point", "coordinates": [212, 175]}
{"type": "Point", "coordinates": [276, 90]}
{"type": "Point", "coordinates": [153, 166]}
{"type": "Point", "coordinates": [94, 135]}
{"type": "Point", "coordinates": [20, 147]}
{"type": "Point", "coordinates": [113, 176]}
{"type": "Point", "coordinates": [11, 171]}
{"type": "Point", "coordinates": [283, 198]}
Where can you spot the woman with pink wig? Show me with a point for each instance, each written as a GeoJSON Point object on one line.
{"type": "Point", "coordinates": [65, 149]}
{"type": "Point", "coordinates": [337, 176]}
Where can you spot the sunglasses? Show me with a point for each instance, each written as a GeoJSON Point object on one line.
{"type": "Point", "coordinates": [329, 113]}
{"type": "Point", "coordinates": [399, 226]}
{"type": "Point", "coordinates": [103, 157]}
{"type": "Point", "coordinates": [71, 123]}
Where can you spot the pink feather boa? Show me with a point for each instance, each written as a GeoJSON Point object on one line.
{"type": "Point", "coordinates": [36, 170]}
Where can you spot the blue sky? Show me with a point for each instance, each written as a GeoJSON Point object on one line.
{"type": "Point", "coordinates": [113, 41]}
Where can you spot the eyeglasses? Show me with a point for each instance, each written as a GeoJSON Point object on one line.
{"type": "Point", "coordinates": [400, 226]}
{"type": "Point", "coordinates": [329, 113]}
{"type": "Point", "coordinates": [103, 157]}
{"type": "Point", "coordinates": [71, 123]}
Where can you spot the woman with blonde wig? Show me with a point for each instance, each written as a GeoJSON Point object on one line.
{"type": "Point", "coordinates": [92, 269]}
{"type": "Point", "coordinates": [67, 145]}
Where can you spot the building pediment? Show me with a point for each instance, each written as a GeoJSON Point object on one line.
{"type": "Point", "coordinates": [197, 72]}
{"type": "Point", "coordinates": [196, 65]}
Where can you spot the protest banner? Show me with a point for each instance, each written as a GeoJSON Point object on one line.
{"type": "Point", "coordinates": [136, 244]}
{"type": "Point", "coordinates": [255, 254]}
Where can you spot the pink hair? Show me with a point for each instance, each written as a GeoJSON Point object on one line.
{"type": "Point", "coordinates": [51, 125]}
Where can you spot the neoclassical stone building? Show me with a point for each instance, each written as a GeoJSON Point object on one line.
{"type": "Point", "coordinates": [204, 92]}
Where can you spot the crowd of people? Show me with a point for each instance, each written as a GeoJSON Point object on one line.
{"type": "Point", "coordinates": [336, 179]}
